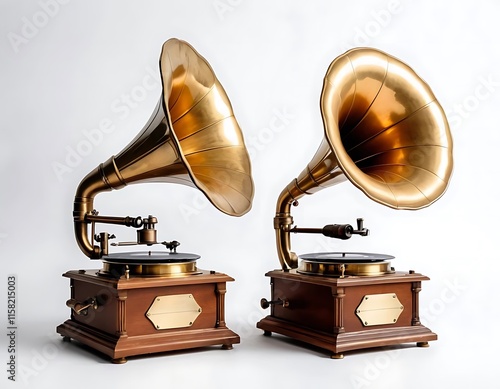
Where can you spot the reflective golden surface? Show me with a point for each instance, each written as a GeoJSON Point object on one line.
{"type": "Point", "coordinates": [192, 139]}
{"type": "Point", "coordinates": [379, 309]}
{"type": "Point", "coordinates": [150, 269]}
{"type": "Point", "coordinates": [345, 269]}
{"type": "Point", "coordinates": [173, 311]}
{"type": "Point", "coordinates": [207, 134]}
{"type": "Point", "coordinates": [384, 131]}
{"type": "Point", "coordinates": [340, 264]}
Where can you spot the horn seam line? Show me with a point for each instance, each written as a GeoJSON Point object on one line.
{"type": "Point", "coordinates": [206, 127]}
{"type": "Point", "coordinates": [194, 105]}
{"type": "Point", "coordinates": [416, 112]}
{"type": "Point", "coordinates": [150, 151]}
{"type": "Point", "coordinates": [183, 83]}
{"type": "Point", "coordinates": [406, 180]}
{"type": "Point", "coordinates": [373, 100]}
{"type": "Point", "coordinates": [144, 130]}
{"type": "Point", "coordinates": [353, 96]}
{"type": "Point", "coordinates": [378, 168]}
{"type": "Point", "coordinates": [229, 186]}
{"type": "Point", "coordinates": [397, 148]}
{"type": "Point", "coordinates": [213, 148]}
{"type": "Point", "coordinates": [243, 172]}
{"type": "Point", "coordinates": [389, 188]}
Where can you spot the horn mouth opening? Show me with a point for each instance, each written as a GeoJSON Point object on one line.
{"type": "Point", "coordinates": [204, 129]}
{"type": "Point", "coordinates": [388, 132]}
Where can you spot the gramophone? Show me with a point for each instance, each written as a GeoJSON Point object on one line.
{"type": "Point", "coordinates": [387, 134]}
{"type": "Point", "coordinates": [147, 301]}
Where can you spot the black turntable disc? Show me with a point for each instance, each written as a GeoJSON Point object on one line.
{"type": "Point", "coordinates": [149, 257]}
{"type": "Point", "coordinates": [350, 257]}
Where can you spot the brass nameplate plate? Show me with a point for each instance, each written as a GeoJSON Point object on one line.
{"type": "Point", "coordinates": [174, 311]}
{"type": "Point", "coordinates": [378, 309]}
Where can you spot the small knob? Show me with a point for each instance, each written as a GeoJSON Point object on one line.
{"type": "Point", "coordinates": [103, 236]}
{"type": "Point", "coordinates": [172, 246]}
{"type": "Point", "coordinates": [361, 229]}
{"type": "Point", "coordinates": [264, 303]}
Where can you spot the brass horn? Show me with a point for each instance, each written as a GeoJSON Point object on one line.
{"type": "Point", "coordinates": [192, 138]}
{"type": "Point", "coordinates": [384, 131]}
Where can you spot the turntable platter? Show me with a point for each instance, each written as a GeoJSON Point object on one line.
{"type": "Point", "coordinates": [346, 257]}
{"type": "Point", "coordinates": [149, 263]}
{"type": "Point", "coordinates": [341, 264]}
{"type": "Point", "coordinates": [149, 257]}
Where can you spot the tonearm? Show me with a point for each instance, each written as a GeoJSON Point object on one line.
{"type": "Point", "coordinates": [147, 235]}
{"type": "Point", "coordinates": [338, 231]}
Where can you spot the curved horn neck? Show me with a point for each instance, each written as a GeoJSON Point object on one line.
{"type": "Point", "coordinates": [283, 222]}
{"type": "Point", "coordinates": [95, 182]}
{"type": "Point", "coordinates": [384, 131]}
{"type": "Point", "coordinates": [192, 139]}
{"type": "Point", "coordinates": [323, 171]}
{"type": "Point", "coordinates": [138, 162]}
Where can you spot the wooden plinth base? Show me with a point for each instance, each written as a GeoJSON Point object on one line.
{"type": "Point", "coordinates": [321, 311]}
{"type": "Point", "coordinates": [118, 326]}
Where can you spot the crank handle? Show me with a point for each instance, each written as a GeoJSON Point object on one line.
{"type": "Point", "coordinates": [83, 307]}
{"type": "Point", "coordinates": [264, 303]}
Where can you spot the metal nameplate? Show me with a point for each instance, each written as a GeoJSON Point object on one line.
{"type": "Point", "coordinates": [378, 309]}
{"type": "Point", "coordinates": [173, 311]}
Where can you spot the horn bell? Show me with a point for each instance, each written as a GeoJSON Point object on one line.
{"type": "Point", "coordinates": [385, 132]}
{"type": "Point", "coordinates": [192, 139]}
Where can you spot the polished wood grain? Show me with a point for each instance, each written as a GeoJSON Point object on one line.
{"type": "Point", "coordinates": [322, 310]}
{"type": "Point", "coordinates": [119, 327]}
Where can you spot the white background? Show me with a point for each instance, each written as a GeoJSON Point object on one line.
{"type": "Point", "coordinates": [67, 66]}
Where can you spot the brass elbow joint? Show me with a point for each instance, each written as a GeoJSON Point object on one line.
{"type": "Point", "coordinates": [282, 226]}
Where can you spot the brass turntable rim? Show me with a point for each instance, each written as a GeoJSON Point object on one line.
{"type": "Point", "coordinates": [351, 264]}
{"type": "Point", "coordinates": [153, 264]}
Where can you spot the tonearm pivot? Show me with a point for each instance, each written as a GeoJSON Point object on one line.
{"type": "Point", "coordinates": [145, 235]}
